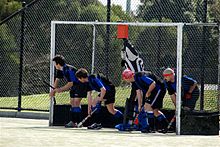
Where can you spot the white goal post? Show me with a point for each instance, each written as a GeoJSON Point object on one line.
{"type": "Point", "coordinates": [179, 47]}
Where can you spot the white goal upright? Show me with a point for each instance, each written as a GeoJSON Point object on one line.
{"type": "Point", "coordinates": [179, 49]}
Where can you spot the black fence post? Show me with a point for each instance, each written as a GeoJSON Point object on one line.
{"type": "Point", "coordinates": [203, 54]}
{"type": "Point", "coordinates": [21, 55]}
{"type": "Point", "coordinates": [107, 43]}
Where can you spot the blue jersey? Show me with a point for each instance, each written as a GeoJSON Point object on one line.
{"type": "Point", "coordinates": [186, 83]}
{"type": "Point", "coordinates": [96, 83]}
{"type": "Point", "coordinates": [68, 73]}
{"type": "Point", "coordinates": [143, 82]}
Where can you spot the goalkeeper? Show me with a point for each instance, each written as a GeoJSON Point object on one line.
{"type": "Point", "coordinates": [130, 60]}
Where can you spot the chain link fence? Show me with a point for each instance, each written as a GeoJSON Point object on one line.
{"type": "Point", "coordinates": [157, 47]}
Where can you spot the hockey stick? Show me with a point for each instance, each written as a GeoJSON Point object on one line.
{"type": "Point", "coordinates": [125, 111]}
{"type": "Point", "coordinates": [53, 98]}
{"type": "Point", "coordinates": [171, 122]}
{"type": "Point", "coordinates": [85, 119]}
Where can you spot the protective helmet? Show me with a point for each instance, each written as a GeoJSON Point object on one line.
{"type": "Point", "coordinates": [127, 74]}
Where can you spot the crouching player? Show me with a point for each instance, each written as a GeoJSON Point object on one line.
{"type": "Point", "coordinates": [190, 89]}
{"type": "Point", "coordinates": [153, 93]}
{"type": "Point", "coordinates": [77, 91]}
{"type": "Point", "coordinates": [106, 93]}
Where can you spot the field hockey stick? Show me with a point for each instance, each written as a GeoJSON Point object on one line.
{"type": "Point", "coordinates": [85, 119]}
{"type": "Point", "coordinates": [48, 84]}
{"type": "Point", "coordinates": [53, 98]}
{"type": "Point", "coordinates": [171, 122]}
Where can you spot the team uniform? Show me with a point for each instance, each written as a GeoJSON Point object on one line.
{"type": "Point", "coordinates": [76, 91]}
{"type": "Point", "coordinates": [68, 73]}
{"type": "Point", "coordinates": [142, 82]}
{"type": "Point", "coordinates": [96, 83]}
{"type": "Point", "coordinates": [186, 83]}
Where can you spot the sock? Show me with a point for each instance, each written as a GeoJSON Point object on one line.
{"type": "Point", "coordinates": [118, 117]}
{"type": "Point", "coordinates": [150, 116]}
{"type": "Point", "coordinates": [118, 114]}
{"type": "Point", "coordinates": [76, 114]}
{"type": "Point", "coordinates": [163, 121]}
{"type": "Point", "coordinates": [143, 120]}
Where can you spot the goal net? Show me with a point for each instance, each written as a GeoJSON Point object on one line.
{"type": "Point", "coordinates": [189, 49]}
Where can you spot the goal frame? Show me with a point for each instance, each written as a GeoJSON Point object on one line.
{"type": "Point", "coordinates": [179, 46]}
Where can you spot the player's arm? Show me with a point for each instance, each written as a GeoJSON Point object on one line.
{"type": "Point", "coordinates": [56, 82]}
{"type": "Point", "coordinates": [193, 84]}
{"type": "Point", "coordinates": [150, 89]}
{"type": "Point", "coordinates": [139, 96]}
{"type": "Point", "coordinates": [65, 87]}
{"type": "Point", "coordinates": [192, 87]}
{"type": "Point", "coordinates": [102, 89]}
{"type": "Point", "coordinates": [70, 78]}
{"type": "Point", "coordinates": [151, 83]}
{"type": "Point", "coordinates": [102, 93]}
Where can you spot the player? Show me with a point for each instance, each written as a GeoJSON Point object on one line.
{"type": "Point", "coordinates": [153, 93]}
{"type": "Point", "coordinates": [131, 60]}
{"type": "Point", "coordinates": [106, 93]}
{"type": "Point", "coordinates": [190, 89]}
{"type": "Point", "coordinates": [77, 91]}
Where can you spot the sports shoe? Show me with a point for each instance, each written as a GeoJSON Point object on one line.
{"type": "Point", "coordinates": [146, 130]}
{"type": "Point", "coordinates": [162, 131]}
{"type": "Point", "coordinates": [95, 126]}
{"type": "Point", "coordinates": [123, 127]}
{"type": "Point", "coordinates": [71, 125]}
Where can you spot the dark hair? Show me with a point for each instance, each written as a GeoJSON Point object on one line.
{"type": "Point", "coordinates": [59, 59]}
{"type": "Point", "coordinates": [82, 73]}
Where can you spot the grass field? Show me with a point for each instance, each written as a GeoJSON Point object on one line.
{"type": "Point", "coordinates": [41, 101]}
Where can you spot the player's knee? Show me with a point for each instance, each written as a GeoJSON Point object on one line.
{"type": "Point", "coordinates": [156, 112]}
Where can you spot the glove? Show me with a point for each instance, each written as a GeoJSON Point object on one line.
{"type": "Point", "coordinates": [188, 95]}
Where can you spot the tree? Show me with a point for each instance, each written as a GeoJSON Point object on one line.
{"type": "Point", "coordinates": [9, 63]}
{"type": "Point", "coordinates": [7, 7]}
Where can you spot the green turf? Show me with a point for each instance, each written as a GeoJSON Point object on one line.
{"type": "Point", "coordinates": [41, 101]}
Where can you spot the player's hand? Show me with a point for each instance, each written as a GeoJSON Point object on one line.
{"type": "Point", "coordinates": [188, 95]}
{"type": "Point", "coordinates": [148, 95]}
{"type": "Point", "coordinates": [52, 93]}
{"type": "Point", "coordinates": [59, 90]}
{"type": "Point", "coordinates": [139, 108]}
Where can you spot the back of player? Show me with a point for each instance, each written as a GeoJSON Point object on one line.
{"type": "Point", "coordinates": [155, 100]}
{"type": "Point", "coordinates": [106, 93]}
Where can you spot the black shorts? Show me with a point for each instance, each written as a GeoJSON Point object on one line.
{"type": "Point", "coordinates": [109, 96]}
{"type": "Point", "coordinates": [156, 99]}
{"type": "Point", "coordinates": [78, 91]}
